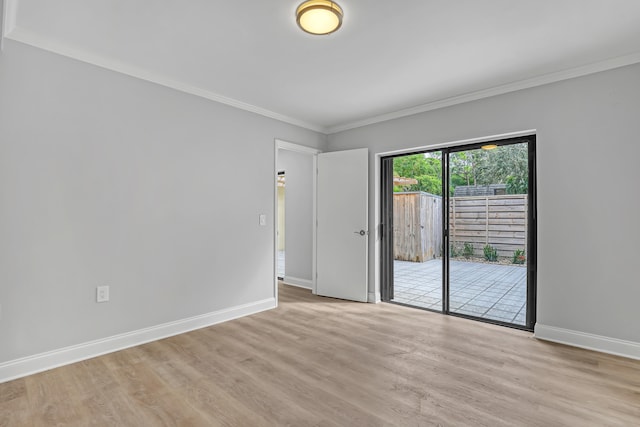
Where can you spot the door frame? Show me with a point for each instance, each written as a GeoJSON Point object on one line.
{"type": "Point", "coordinates": [280, 144]}
{"type": "Point", "coordinates": [380, 251]}
{"type": "Point", "coordinates": [277, 214]}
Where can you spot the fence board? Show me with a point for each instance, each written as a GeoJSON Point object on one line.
{"type": "Point", "coordinates": [496, 221]}
{"type": "Point", "coordinates": [494, 208]}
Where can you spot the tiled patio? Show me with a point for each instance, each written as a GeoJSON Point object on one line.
{"type": "Point", "coordinates": [490, 291]}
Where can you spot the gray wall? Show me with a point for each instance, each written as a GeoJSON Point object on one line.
{"type": "Point", "coordinates": [588, 204]}
{"type": "Point", "coordinates": [299, 213]}
{"type": "Point", "coordinates": [106, 179]}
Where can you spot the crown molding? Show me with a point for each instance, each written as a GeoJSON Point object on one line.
{"type": "Point", "coordinates": [2, 15]}
{"type": "Point", "coordinates": [32, 39]}
{"type": "Point", "coordinates": [544, 79]}
{"type": "Point", "coordinates": [8, 14]}
{"type": "Point", "coordinates": [9, 30]}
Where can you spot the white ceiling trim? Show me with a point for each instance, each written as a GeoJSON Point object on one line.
{"type": "Point", "coordinates": [27, 37]}
{"type": "Point", "coordinates": [8, 29]}
{"type": "Point", "coordinates": [2, 15]}
{"type": "Point", "coordinates": [571, 73]}
{"type": "Point", "coordinates": [8, 13]}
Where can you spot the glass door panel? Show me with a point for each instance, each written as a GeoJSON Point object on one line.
{"type": "Point", "coordinates": [418, 230]}
{"type": "Point", "coordinates": [488, 232]}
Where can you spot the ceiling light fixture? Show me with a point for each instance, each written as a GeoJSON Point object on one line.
{"type": "Point", "coordinates": [489, 147]}
{"type": "Point", "coordinates": [319, 16]}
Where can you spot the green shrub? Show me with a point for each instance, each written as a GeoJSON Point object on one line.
{"type": "Point", "coordinates": [518, 256]}
{"type": "Point", "coordinates": [467, 252]}
{"type": "Point", "coordinates": [490, 253]}
{"type": "Point", "coordinates": [454, 251]}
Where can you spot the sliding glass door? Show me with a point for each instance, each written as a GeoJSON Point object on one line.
{"type": "Point", "coordinates": [459, 231]}
{"type": "Point", "coordinates": [417, 212]}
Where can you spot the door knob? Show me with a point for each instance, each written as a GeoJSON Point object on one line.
{"type": "Point", "coordinates": [361, 232]}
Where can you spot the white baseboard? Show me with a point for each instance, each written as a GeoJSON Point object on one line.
{"type": "Point", "coordinates": [599, 343]}
{"type": "Point", "coordinates": [373, 297]}
{"type": "Point", "coordinates": [52, 359]}
{"type": "Point", "coordinates": [296, 281]}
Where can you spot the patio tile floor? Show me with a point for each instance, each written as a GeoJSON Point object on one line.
{"type": "Point", "coordinates": [491, 291]}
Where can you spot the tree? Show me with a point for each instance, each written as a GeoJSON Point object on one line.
{"type": "Point", "coordinates": [425, 169]}
{"type": "Point", "coordinates": [465, 165]}
{"type": "Point", "coordinates": [507, 164]}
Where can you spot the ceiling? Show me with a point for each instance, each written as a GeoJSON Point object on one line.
{"type": "Point", "coordinates": [390, 58]}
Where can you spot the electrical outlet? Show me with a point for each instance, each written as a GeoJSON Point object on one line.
{"type": "Point", "coordinates": [263, 220]}
{"type": "Point", "coordinates": [102, 294]}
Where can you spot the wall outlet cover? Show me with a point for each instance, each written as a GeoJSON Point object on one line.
{"type": "Point", "coordinates": [102, 294]}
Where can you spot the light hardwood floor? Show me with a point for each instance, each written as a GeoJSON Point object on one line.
{"type": "Point", "coordinates": [325, 362]}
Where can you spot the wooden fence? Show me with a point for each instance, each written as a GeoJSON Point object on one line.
{"type": "Point", "coordinates": [499, 221]}
{"type": "Point", "coordinates": [417, 225]}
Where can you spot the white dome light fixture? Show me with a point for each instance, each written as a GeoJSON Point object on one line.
{"type": "Point", "coordinates": [319, 17]}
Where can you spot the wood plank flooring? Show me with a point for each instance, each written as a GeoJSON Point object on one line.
{"type": "Point", "coordinates": [322, 362]}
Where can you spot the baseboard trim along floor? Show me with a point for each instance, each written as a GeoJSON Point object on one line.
{"type": "Point", "coordinates": [52, 359]}
{"type": "Point", "coordinates": [296, 281]}
{"type": "Point", "coordinates": [587, 341]}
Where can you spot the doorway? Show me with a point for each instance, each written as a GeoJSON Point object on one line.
{"type": "Point", "coordinates": [320, 187]}
{"type": "Point", "coordinates": [460, 231]}
{"type": "Point", "coordinates": [295, 211]}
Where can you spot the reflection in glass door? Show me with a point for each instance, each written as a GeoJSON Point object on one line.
{"type": "Point", "coordinates": [459, 231]}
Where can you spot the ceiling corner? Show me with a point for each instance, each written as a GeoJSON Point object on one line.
{"type": "Point", "coordinates": [1, 24]}
{"type": "Point", "coordinates": [8, 16]}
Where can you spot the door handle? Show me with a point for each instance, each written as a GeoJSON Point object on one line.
{"type": "Point", "coordinates": [361, 232]}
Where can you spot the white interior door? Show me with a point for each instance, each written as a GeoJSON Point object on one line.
{"type": "Point", "coordinates": [342, 233]}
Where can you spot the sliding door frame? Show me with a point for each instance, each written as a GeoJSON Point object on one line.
{"type": "Point", "coordinates": [386, 226]}
{"type": "Point", "coordinates": [445, 231]}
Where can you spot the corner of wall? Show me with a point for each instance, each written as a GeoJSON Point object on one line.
{"type": "Point", "coordinates": [2, 15]}
{"type": "Point", "coordinates": [373, 297]}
